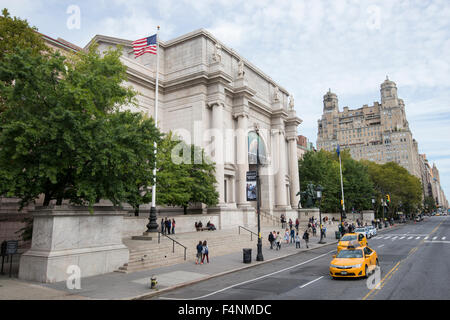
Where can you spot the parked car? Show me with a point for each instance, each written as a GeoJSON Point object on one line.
{"type": "Point", "coordinates": [364, 231]}
{"type": "Point", "coordinates": [372, 231]}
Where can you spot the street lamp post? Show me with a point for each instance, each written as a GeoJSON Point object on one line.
{"type": "Point", "coordinates": [373, 208]}
{"type": "Point", "coordinates": [319, 190]}
{"type": "Point", "coordinates": [259, 256]}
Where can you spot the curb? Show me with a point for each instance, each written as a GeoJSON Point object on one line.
{"type": "Point", "coordinates": [181, 285]}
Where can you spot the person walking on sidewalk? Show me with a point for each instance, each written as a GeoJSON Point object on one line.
{"type": "Point", "coordinates": [286, 236]}
{"type": "Point", "coordinates": [297, 241]}
{"type": "Point", "coordinates": [292, 235]}
{"type": "Point", "coordinates": [306, 237]}
{"type": "Point", "coordinates": [278, 240]}
{"type": "Point", "coordinates": [205, 252]}
{"type": "Point", "coordinates": [271, 240]}
{"type": "Point", "coordinates": [297, 223]}
{"type": "Point", "coordinates": [314, 231]}
{"type": "Point", "coordinates": [290, 223]}
{"type": "Point", "coordinates": [199, 252]}
{"type": "Point", "coordinates": [173, 226]}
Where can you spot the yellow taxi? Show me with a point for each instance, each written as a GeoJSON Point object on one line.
{"type": "Point", "coordinates": [355, 261]}
{"type": "Point", "coordinates": [348, 237]}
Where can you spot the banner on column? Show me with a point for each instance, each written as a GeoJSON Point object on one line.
{"type": "Point", "coordinates": [251, 186]}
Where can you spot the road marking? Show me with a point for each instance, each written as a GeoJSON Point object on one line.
{"type": "Point", "coordinates": [425, 238]}
{"type": "Point", "coordinates": [437, 241]}
{"type": "Point", "coordinates": [417, 238]}
{"type": "Point", "coordinates": [381, 246]}
{"type": "Point", "coordinates": [394, 238]}
{"type": "Point", "coordinates": [434, 238]}
{"type": "Point", "coordinates": [310, 282]}
{"type": "Point", "coordinates": [443, 238]}
{"type": "Point", "coordinates": [410, 238]}
{"type": "Point", "coordinates": [388, 276]}
{"type": "Point", "coordinates": [251, 280]}
{"type": "Point", "coordinates": [387, 237]}
{"type": "Point", "coordinates": [402, 238]}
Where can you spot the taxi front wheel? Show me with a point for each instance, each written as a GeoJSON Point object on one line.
{"type": "Point", "coordinates": [366, 272]}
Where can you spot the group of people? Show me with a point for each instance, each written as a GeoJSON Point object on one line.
{"type": "Point", "coordinates": [313, 225]}
{"type": "Point", "coordinates": [291, 234]}
{"type": "Point", "coordinates": [209, 226]}
{"type": "Point", "coordinates": [202, 252]}
{"type": "Point", "coordinates": [167, 226]}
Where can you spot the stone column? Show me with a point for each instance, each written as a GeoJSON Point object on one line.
{"type": "Point", "coordinates": [242, 160]}
{"type": "Point", "coordinates": [217, 126]}
{"type": "Point", "coordinates": [293, 171]}
{"type": "Point", "coordinates": [281, 196]}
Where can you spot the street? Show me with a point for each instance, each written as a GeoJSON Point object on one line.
{"type": "Point", "coordinates": [414, 261]}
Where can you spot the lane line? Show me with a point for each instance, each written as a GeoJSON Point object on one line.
{"type": "Point", "coordinates": [310, 282]}
{"type": "Point", "coordinates": [437, 241]}
{"type": "Point", "coordinates": [251, 280]}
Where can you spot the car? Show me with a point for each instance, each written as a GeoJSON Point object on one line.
{"type": "Point", "coordinates": [372, 231]}
{"type": "Point", "coordinates": [355, 261]}
{"type": "Point", "coordinates": [344, 242]}
{"type": "Point", "coordinates": [364, 230]}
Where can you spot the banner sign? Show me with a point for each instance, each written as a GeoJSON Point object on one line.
{"type": "Point", "coordinates": [251, 186]}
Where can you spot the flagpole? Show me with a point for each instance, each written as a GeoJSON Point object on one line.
{"type": "Point", "coordinates": [152, 226]}
{"type": "Point", "coordinates": [342, 185]}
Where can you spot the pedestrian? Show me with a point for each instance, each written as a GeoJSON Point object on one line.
{"type": "Point", "coordinates": [290, 223]}
{"type": "Point", "coordinates": [297, 223]}
{"type": "Point", "coordinates": [286, 236]}
{"type": "Point", "coordinates": [278, 240]}
{"type": "Point", "coordinates": [324, 230]}
{"type": "Point", "coordinates": [292, 235]}
{"type": "Point", "coordinates": [162, 225]}
{"type": "Point", "coordinates": [199, 252]}
{"type": "Point", "coordinates": [297, 241]}
{"type": "Point", "coordinates": [271, 240]}
{"type": "Point", "coordinates": [173, 226]}
{"type": "Point", "coordinates": [168, 225]}
{"type": "Point", "coordinates": [314, 231]}
{"type": "Point", "coordinates": [205, 252]}
{"type": "Point", "coordinates": [306, 237]}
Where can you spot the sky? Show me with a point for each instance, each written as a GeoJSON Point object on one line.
{"type": "Point", "coordinates": [307, 46]}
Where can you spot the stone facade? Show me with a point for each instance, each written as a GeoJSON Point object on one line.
{"type": "Point", "coordinates": [212, 97]}
{"type": "Point", "coordinates": [378, 133]}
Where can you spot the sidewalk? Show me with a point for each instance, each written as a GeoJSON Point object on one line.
{"type": "Point", "coordinates": [136, 285]}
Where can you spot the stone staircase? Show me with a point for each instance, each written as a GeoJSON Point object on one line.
{"type": "Point", "coordinates": [149, 254]}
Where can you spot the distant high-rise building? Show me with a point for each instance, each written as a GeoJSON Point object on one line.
{"type": "Point", "coordinates": [379, 133]}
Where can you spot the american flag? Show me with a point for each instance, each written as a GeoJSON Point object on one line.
{"type": "Point", "coordinates": [144, 45]}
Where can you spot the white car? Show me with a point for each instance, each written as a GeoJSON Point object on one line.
{"type": "Point", "coordinates": [372, 231]}
{"type": "Point", "coordinates": [364, 230]}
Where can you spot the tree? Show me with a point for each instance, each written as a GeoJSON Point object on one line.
{"type": "Point", "coordinates": [429, 204]}
{"type": "Point", "coordinates": [62, 133]}
{"type": "Point", "coordinates": [185, 175]}
{"type": "Point", "coordinates": [320, 168]}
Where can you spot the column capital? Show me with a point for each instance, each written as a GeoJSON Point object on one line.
{"type": "Point", "coordinates": [237, 115]}
{"type": "Point", "coordinates": [215, 103]}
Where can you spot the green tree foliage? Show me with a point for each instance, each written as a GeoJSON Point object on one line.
{"type": "Point", "coordinates": [61, 131]}
{"type": "Point", "coordinates": [429, 204]}
{"type": "Point", "coordinates": [185, 175]}
{"type": "Point", "coordinates": [405, 190]}
{"type": "Point", "coordinates": [320, 168]}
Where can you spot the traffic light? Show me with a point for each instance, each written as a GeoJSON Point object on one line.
{"type": "Point", "coordinates": [388, 199]}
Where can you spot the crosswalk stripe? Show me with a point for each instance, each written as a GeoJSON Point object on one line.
{"type": "Point", "coordinates": [443, 238]}
{"type": "Point", "coordinates": [417, 238]}
{"type": "Point", "coordinates": [394, 238]}
{"type": "Point", "coordinates": [410, 238]}
{"type": "Point", "coordinates": [434, 238]}
{"type": "Point", "coordinates": [401, 238]}
{"type": "Point", "coordinates": [426, 238]}
{"type": "Point", "coordinates": [387, 237]}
